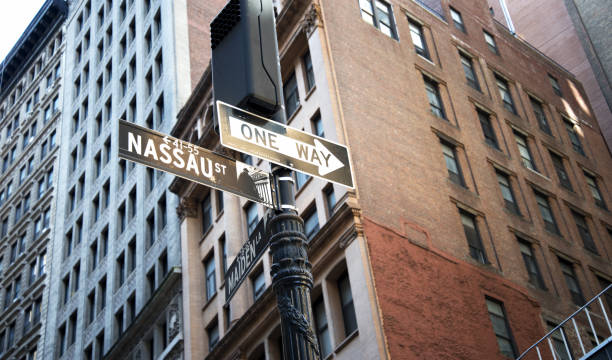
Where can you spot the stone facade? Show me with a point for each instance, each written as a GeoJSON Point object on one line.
{"type": "Point", "coordinates": [453, 180]}
{"type": "Point", "coordinates": [31, 92]}
{"type": "Point", "coordinates": [116, 229]}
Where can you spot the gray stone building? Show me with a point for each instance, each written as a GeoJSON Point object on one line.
{"type": "Point", "coordinates": [31, 83]}
{"type": "Point", "coordinates": [115, 292]}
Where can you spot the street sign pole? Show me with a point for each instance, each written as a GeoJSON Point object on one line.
{"type": "Point", "coordinates": [246, 29]}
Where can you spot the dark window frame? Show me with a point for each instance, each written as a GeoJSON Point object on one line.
{"type": "Point", "coordinates": [505, 183]}
{"type": "Point", "coordinates": [531, 263]}
{"type": "Point", "coordinates": [526, 156]}
{"type": "Point", "coordinates": [582, 227]}
{"type": "Point", "coordinates": [349, 317]}
{"type": "Point", "coordinates": [474, 240]}
{"type": "Point", "coordinates": [591, 181]}
{"type": "Point", "coordinates": [487, 128]}
{"type": "Point", "coordinates": [505, 94]}
{"type": "Point", "coordinates": [562, 174]}
{"type": "Point", "coordinates": [573, 136]}
{"type": "Point", "coordinates": [544, 206]}
{"type": "Point", "coordinates": [540, 115]}
{"type": "Point", "coordinates": [508, 337]}
{"type": "Point", "coordinates": [456, 177]}
{"type": "Point", "coordinates": [459, 24]}
{"type": "Point", "coordinates": [493, 45]}
{"type": "Point", "coordinates": [376, 16]}
{"type": "Point", "coordinates": [571, 281]}
{"type": "Point", "coordinates": [436, 105]}
{"type": "Point", "coordinates": [417, 33]}
{"type": "Point", "coordinates": [469, 71]}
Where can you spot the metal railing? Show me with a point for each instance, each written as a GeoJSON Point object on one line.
{"type": "Point", "coordinates": [559, 344]}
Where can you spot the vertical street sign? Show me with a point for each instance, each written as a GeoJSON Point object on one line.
{"type": "Point", "coordinates": [194, 163]}
{"type": "Point", "coordinates": [284, 145]}
{"type": "Point", "coordinates": [247, 257]}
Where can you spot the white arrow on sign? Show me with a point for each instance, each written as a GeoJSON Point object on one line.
{"type": "Point", "coordinates": [317, 155]}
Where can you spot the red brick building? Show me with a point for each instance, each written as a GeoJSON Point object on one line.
{"type": "Point", "coordinates": [480, 214]}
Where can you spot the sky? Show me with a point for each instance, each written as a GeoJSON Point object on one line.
{"type": "Point", "coordinates": [15, 15]}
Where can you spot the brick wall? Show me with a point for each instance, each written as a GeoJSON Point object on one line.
{"type": "Point", "coordinates": [434, 306]}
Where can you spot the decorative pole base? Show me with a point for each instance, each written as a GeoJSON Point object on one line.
{"type": "Point", "coordinates": [292, 281]}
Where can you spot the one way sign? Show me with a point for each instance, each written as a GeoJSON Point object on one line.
{"type": "Point", "coordinates": [283, 145]}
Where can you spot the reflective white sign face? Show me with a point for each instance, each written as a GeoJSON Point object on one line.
{"type": "Point", "coordinates": [283, 145]}
{"type": "Point", "coordinates": [194, 163]}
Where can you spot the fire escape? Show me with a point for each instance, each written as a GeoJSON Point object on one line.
{"type": "Point", "coordinates": [586, 334]}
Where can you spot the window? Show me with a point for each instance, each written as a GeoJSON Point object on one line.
{"type": "Point", "coordinates": [538, 111]}
{"type": "Point", "coordinates": [507, 193]}
{"type": "Point", "coordinates": [259, 283]}
{"type": "Point", "coordinates": [558, 340]}
{"type": "Point", "coordinates": [468, 70]}
{"type": "Point", "coordinates": [583, 230]}
{"type": "Point", "coordinates": [317, 125]}
{"type": "Point", "coordinates": [547, 215]}
{"type": "Point", "coordinates": [433, 95]}
{"type": "Point", "coordinates": [504, 93]}
{"type": "Point", "coordinates": [473, 237]}
{"type": "Point", "coordinates": [604, 283]}
{"type": "Point", "coordinates": [567, 268]}
{"type": "Point", "coordinates": [211, 286]}
{"type": "Point", "coordinates": [102, 294]}
{"type": "Point", "coordinates": [330, 199]}
{"type": "Point", "coordinates": [119, 322]}
{"type": "Point", "coordinates": [120, 270]}
{"type": "Point", "coordinates": [570, 127]}
{"type": "Point", "coordinates": [207, 218]}
{"type": "Point", "coordinates": [378, 14]}
{"type": "Point", "coordinates": [490, 42]}
{"type": "Point", "coordinates": [132, 255]}
{"type": "Point", "coordinates": [501, 328]}
{"type": "Point", "coordinates": [219, 197]}
{"type": "Point", "coordinates": [151, 228]}
{"type": "Point", "coordinates": [531, 264]}
{"type": "Point", "coordinates": [452, 165]}
{"type": "Point", "coordinates": [223, 246]}
{"type": "Point", "coordinates": [311, 223]}
{"type": "Point", "coordinates": [292, 98]}
{"type": "Point", "coordinates": [321, 328]}
{"type": "Point", "coordinates": [592, 183]}
{"type": "Point", "coordinates": [72, 324]}
{"type": "Point", "coordinates": [487, 128]}
{"type": "Point", "coordinates": [560, 170]}
{"type": "Point", "coordinates": [418, 39]}
{"type": "Point", "coordinates": [121, 219]}
{"type": "Point", "coordinates": [555, 85]}
{"type": "Point", "coordinates": [457, 19]}
{"type": "Point", "coordinates": [300, 179]}
{"type": "Point", "coordinates": [521, 142]}
{"type": "Point", "coordinates": [346, 302]}
{"type": "Point", "coordinates": [251, 217]}
{"type": "Point", "coordinates": [310, 79]}
{"type": "Point", "coordinates": [213, 335]}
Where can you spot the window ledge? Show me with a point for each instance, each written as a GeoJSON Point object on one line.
{"type": "Point", "coordinates": [537, 173]}
{"type": "Point", "coordinates": [312, 89]}
{"type": "Point", "coordinates": [295, 112]}
{"type": "Point", "coordinates": [219, 215]}
{"type": "Point", "coordinates": [300, 190]}
{"type": "Point", "coordinates": [209, 301]}
{"type": "Point", "coordinates": [426, 60]}
{"type": "Point", "coordinates": [347, 340]}
{"type": "Point", "coordinates": [514, 214]}
{"type": "Point", "coordinates": [208, 231]}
